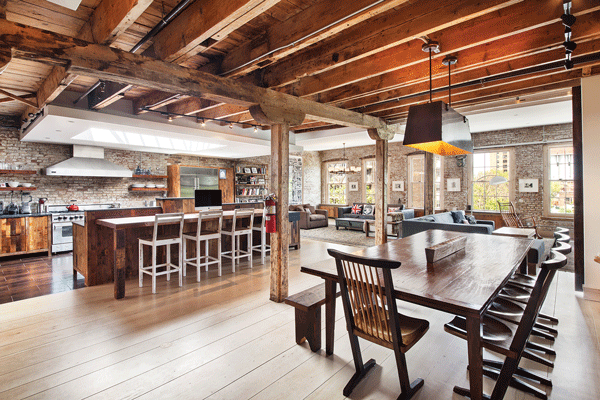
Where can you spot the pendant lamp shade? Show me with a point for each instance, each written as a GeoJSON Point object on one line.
{"type": "Point", "coordinates": [437, 128]}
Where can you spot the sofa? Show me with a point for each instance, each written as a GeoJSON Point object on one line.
{"type": "Point", "coordinates": [448, 222]}
{"type": "Point", "coordinates": [395, 211]}
{"type": "Point", "coordinates": [310, 217]}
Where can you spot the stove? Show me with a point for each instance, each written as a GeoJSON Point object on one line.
{"type": "Point", "coordinates": [63, 220]}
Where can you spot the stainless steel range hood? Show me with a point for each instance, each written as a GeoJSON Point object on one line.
{"type": "Point", "coordinates": [88, 161]}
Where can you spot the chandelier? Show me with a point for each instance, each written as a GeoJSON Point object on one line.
{"type": "Point", "coordinates": [341, 166]}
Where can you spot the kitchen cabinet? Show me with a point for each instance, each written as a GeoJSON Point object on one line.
{"type": "Point", "coordinates": [183, 180]}
{"type": "Point", "coordinates": [24, 235]}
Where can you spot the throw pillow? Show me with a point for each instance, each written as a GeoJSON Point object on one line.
{"type": "Point", "coordinates": [357, 209]}
{"type": "Point", "coordinates": [393, 209]}
{"type": "Point", "coordinates": [369, 210]}
{"type": "Point", "coordinates": [465, 221]}
{"type": "Point", "coordinates": [457, 217]}
{"type": "Point", "coordinates": [428, 219]}
{"type": "Point", "coordinates": [307, 210]}
{"type": "Point", "coordinates": [471, 219]}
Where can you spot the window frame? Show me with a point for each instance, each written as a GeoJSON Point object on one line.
{"type": "Point", "coordinates": [329, 183]}
{"type": "Point", "coordinates": [547, 183]}
{"type": "Point", "coordinates": [511, 174]}
{"type": "Point", "coordinates": [442, 182]}
{"type": "Point", "coordinates": [364, 178]}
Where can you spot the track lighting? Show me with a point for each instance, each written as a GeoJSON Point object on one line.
{"type": "Point", "coordinates": [231, 125]}
{"type": "Point", "coordinates": [170, 118]}
{"type": "Point", "coordinates": [255, 129]}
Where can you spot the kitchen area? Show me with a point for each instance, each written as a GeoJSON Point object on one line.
{"type": "Point", "coordinates": [48, 191]}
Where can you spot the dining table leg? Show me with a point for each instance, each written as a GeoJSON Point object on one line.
{"type": "Point", "coordinates": [330, 295]}
{"type": "Point", "coordinates": [119, 262]}
{"type": "Point", "coordinates": [475, 354]}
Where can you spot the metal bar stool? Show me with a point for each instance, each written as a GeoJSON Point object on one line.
{"type": "Point", "coordinates": [241, 225]}
{"type": "Point", "coordinates": [262, 247]}
{"type": "Point", "coordinates": [162, 240]}
{"type": "Point", "coordinates": [204, 234]}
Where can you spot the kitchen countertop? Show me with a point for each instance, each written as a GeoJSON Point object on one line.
{"type": "Point", "coordinates": [24, 215]}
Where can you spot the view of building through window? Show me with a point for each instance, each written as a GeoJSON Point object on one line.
{"type": "Point", "coordinates": [487, 165]}
{"type": "Point", "coordinates": [369, 179]}
{"type": "Point", "coordinates": [336, 183]}
{"type": "Point", "coordinates": [561, 180]}
{"type": "Point", "coordinates": [438, 173]}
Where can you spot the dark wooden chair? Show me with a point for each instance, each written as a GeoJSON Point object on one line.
{"type": "Point", "coordinates": [511, 339]}
{"type": "Point", "coordinates": [371, 313]}
{"type": "Point", "coordinates": [512, 219]}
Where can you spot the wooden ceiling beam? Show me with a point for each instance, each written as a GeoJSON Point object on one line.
{"type": "Point", "coordinates": [3, 8]}
{"type": "Point", "coordinates": [111, 18]}
{"type": "Point", "coordinates": [154, 100]}
{"type": "Point", "coordinates": [24, 96]}
{"type": "Point", "coordinates": [378, 34]}
{"type": "Point", "coordinates": [190, 105]}
{"type": "Point", "coordinates": [18, 98]}
{"type": "Point", "coordinates": [315, 23]}
{"type": "Point", "coordinates": [222, 111]}
{"type": "Point", "coordinates": [203, 20]}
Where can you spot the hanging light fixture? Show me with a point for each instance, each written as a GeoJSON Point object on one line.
{"type": "Point", "coordinates": [435, 127]}
{"type": "Point", "coordinates": [338, 169]}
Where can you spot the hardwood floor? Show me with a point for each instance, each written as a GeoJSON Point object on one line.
{"type": "Point", "coordinates": [32, 276]}
{"type": "Point", "coordinates": [223, 339]}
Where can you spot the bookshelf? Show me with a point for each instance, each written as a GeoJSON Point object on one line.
{"type": "Point", "coordinates": [250, 183]}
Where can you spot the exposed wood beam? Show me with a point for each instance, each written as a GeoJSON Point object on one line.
{"type": "Point", "coordinates": [5, 57]}
{"type": "Point", "coordinates": [384, 32]}
{"type": "Point", "coordinates": [111, 18]}
{"type": "Point", "coordinates": [203, 20]}
{"type": "Point", "coordinates": [25, 96]}
{"type": "Point", "coordinates": [222, 111]}
{"type": "Point", "coordinates": [154, 100]}
{"type": "Point", "coordinates": [3, 8]}
{"type": "Point", "coordinates": [383, 71]}
{"type": "Point", "coordinates": [317, 22]}
{"type": "Point", "coordinates": [189, 106]}
{"type": "Point", "coordinates": [18, 98]}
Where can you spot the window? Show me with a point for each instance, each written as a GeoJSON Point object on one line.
{"type": "Point", "coordinates": [369, 179]}
{"type": "Point", "coordinates": [487, 165]}
{"type": "Point", "coordinates": [559, 172]}
{"type": "Point", "coordinates": [416, 178]}
{"type": "Point", "coordinates": [336, 183]}
{"type": "Point", "coordinates": [416, 170]}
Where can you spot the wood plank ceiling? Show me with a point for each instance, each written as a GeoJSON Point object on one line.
{"type": "Point", "coordinates": [363, 55]}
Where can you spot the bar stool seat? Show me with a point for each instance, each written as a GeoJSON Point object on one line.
{"type": "Point", "coordinates": [156, 241]}
{"type": "Point", "coordinates": [262, 246]}
{"type": "Point", "coordinates": [204, 234]}
{"type": "Point", "coordinates": [241, 225]}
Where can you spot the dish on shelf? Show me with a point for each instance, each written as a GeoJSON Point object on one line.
{"type": "Point", "coordinates": [26, 185]}
{"type": "Point", "coordinates": [13, 184]}
{"type": "Point", "coordinates": [137, 185]}
{"type": "Point", "coordinates": [150, 185]}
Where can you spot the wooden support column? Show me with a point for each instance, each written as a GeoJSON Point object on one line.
{"type": "Point", "coordinates": [578, 223]}
{"type": "Point", "coordinates": [280, 160]}
{"type": "Point", "coordinates": [428, 184]}
{"type": "Point", "coordinates": [381, 138]}
{"type": "Point", "coordinates": [280, 120]}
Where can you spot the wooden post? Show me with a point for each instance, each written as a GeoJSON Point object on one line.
{"type": "Point", "coordinates": [428, 184]}
{"type": "Point", "coordinates": [280, 149]}
{"type": "Point", "coordinates": [578, 223]}
{"type": "Point", "coordinates": [381, 191]}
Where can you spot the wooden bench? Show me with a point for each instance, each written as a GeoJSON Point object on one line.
{"type": "Point", "coordinates": [308, 314]}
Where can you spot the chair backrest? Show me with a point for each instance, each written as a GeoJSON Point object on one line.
{"type": "Point", "coordinates": [167, 219]}
{"type": "Point", "coordinates": [243, 219]}
{"type": "Point", "coordinates": [369, 304]}
{"type": "Point", "coordinates": [262, 220]}
{"type": "Point", "coordinates": [206, 216]}
{"type": "Point", "coordinates": [509, 215]}
{"type": "Point", "coordinates": [548, 269]}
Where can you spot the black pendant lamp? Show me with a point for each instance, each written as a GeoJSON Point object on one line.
{"type": "Point", "coordinates": [435, 127]}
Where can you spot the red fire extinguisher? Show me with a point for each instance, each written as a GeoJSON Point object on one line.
{"type": "Point", "coordinates": [271, 217]}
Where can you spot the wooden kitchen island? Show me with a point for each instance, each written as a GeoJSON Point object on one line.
{"type": "Point", "coordinates": [121, 235]}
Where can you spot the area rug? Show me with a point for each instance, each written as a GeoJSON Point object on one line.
{"type": "Point", "coordinates": [341, 236]}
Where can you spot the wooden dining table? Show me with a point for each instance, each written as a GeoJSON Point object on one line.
{"type": "Point", "coordinates": [464, 283]}
{"type": "Point", "coordinates": [120, 225]}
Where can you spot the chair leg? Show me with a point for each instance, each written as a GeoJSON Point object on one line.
{"type": "Point", "coordinates": [185, 259]}
{"type": "Point", "coordinates": [141, 264]}
{"type": "Point", "coordinates": [263, 240]}
{"type": "Point", "coordinates": [180, 260]}
{"type": "Point", "coordinates": [522, 372]}
{"type": "Point", "coordinates": [153, 269]}
{"type": "Point", "coordinates": [250, 249]}
{"type": "Point", "coordinates": [233, 239]}
{"type": "Point", "coordinates": [407, 389]}
{"type": "Point", "coordinates": [506, 373]}
{"type": "Point", "coordinates": [206, 254]}
{"type": "Point", "coordinates": [168, 262]}
{"type": "Point", "coordinates": [361, 369]}
{"type": "Point", "coordinates": [515, 382]}
{"type": "Point", "coordinates": [219, 254]}
{"type": "Point", "coordinates": [198, 263]}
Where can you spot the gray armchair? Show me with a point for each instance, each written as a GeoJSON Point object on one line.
{"type": "Point", "coordinates": [310, 217]}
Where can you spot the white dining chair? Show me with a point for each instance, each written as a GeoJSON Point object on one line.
{"type": "Point", "coordinates": [157, 241]}
{"type": "Point", "coordinates": [241, 225]}
{"type": "Point", "coordinates": [208, 228]}
{"type": "Point", "coordinates": [260, 230]}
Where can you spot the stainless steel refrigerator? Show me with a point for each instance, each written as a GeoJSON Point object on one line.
{"type": "Point", "coordinates": [192, 178]}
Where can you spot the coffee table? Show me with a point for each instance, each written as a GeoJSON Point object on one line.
{"type": "Point", "coordinates": [528, 233]}
{"type": "Point", "coordinates": [350, 223]}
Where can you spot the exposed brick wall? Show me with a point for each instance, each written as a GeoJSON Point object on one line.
{"type": "Point", "coordinates": [61, 189]}
{"type": "Point", "coordinates": [311, 169]}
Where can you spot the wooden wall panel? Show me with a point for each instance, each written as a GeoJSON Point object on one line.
{"type": "Point", "coordinates": [227, 186]}
{"type": "Point", "coordinates": [37, 233]}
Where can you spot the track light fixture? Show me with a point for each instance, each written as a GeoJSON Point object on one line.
{"type": "Point", "coordinates": [200, 120]}
{"type": "Point", "coordinates": [231, 125]}
{"type": "Point", "coordinates": [568, 21]}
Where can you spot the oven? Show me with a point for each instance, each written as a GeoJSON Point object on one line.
{"type": "Point", "coordinates": [62, 230]}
